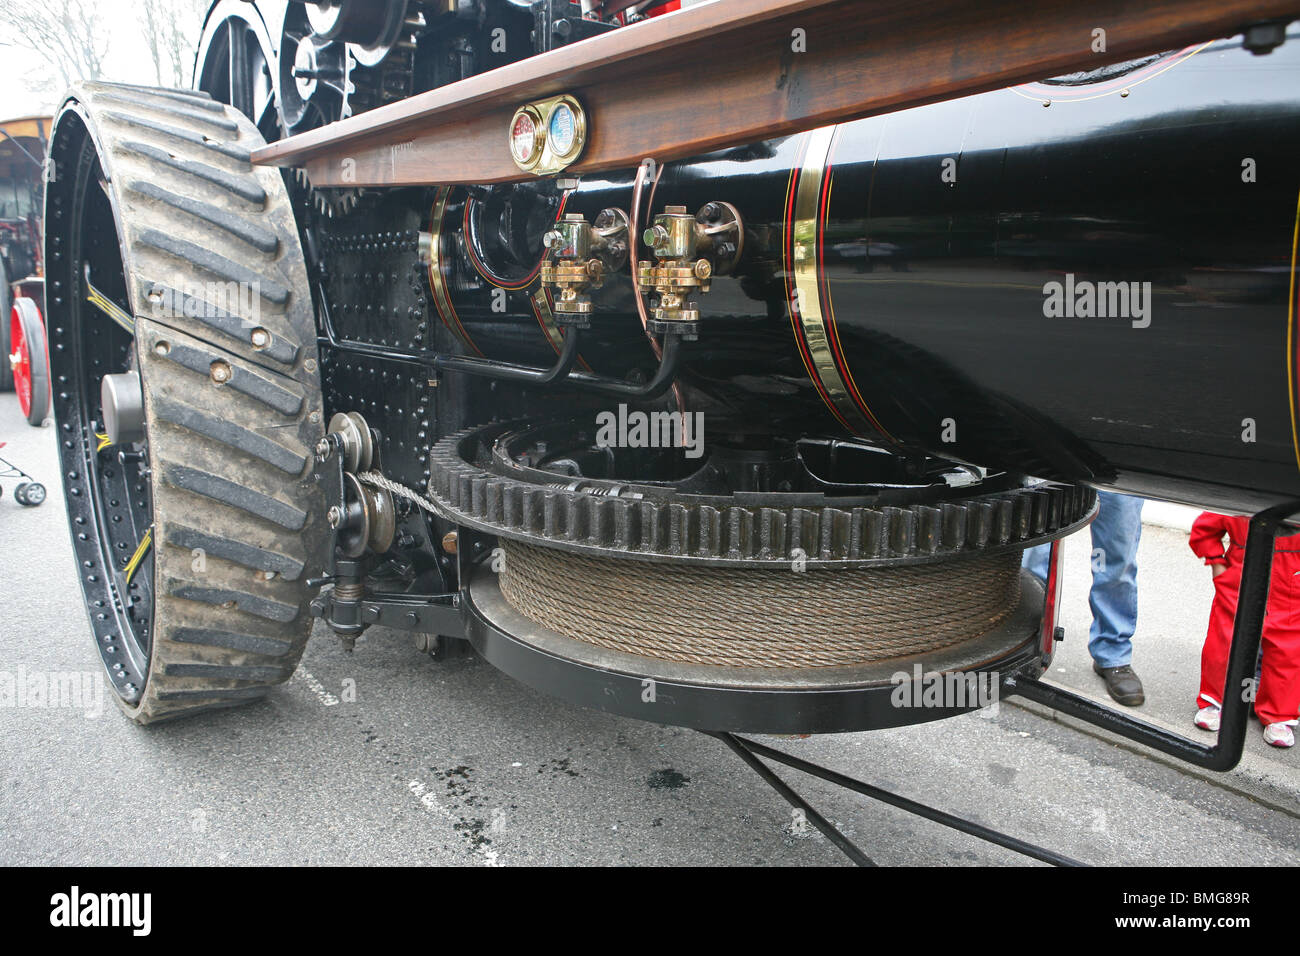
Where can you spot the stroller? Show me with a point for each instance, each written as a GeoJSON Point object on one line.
{"type": "Point", "coordinates": [29, 492]}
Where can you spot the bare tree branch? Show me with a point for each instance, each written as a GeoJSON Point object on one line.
{"type": "Point", "coordinates": [172, 28]}
{"type": "Point", "coordinates": [68, 34]}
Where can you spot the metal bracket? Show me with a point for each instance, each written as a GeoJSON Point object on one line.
{"type": "Point", "coordinates": [421, 613]}
{"type": "Point", "coordinates": [425, 613]}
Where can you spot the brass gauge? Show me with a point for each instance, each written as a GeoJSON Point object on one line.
{"type": "Point", "coordinates": [548, 135]}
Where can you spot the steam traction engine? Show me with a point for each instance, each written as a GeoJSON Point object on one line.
{"type": "Point", "coordinates": [726, 441]}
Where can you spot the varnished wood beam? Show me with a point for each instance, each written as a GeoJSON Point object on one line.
{"type": "Point", "coordinates": [737, 71]}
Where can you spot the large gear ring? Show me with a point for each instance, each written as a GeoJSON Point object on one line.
{"type": "Point", "coordinates": [477, 481]}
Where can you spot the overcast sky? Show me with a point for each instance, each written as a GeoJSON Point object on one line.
{"type": "Point", "coordinates": [128, 60]}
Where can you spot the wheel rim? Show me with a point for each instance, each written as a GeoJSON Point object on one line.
{"type": "Point", "coordinates": [29, 360]}
{"type": "Point", "coordinates": [20, 360]}
{"type": "Point", "coordinates": [108, 497]}
{"type": "Point", "coordinates": [234, 65]}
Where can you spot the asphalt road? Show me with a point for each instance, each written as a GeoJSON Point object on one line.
{"type": "Point", "coordinates": [454, 763]}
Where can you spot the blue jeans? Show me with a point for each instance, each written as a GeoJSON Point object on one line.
{"type": "Point", "coordinates": [1113, 598]}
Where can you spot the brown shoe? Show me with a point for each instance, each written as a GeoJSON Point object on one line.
{"type": "Point", "coordinates": [1122, 684]}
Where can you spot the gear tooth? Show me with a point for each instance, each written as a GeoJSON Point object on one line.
{"type": "Point", "coordinates": [874, 533]}
{"type": "Point", "coordinates": [855, 533]}
{"type": "Point", "coordinates": [1037, 512]}
{"type": "Point", "coordinates": [980, 525]}
{"type": "Point", "coordinates": [825, 547]}
{"type": "Point", "coordinates": [575, 518]}
{"type": "Point", "coordinates": [802, 532]}
{"type": "Point", "coordinates": [902, 532]}
{"type": "Point", "coordinates": [494, 507]}
{"type": "Point", "coordinates": [956, 519]}
{"type": "Point", "coordinates": [837, 534]}
{"type": "Point", "coordinates": [653, 529]}
{"type": "Point", "coordinates": [929, 529]}
{"type": "Point", "coordinates": [767, 545]}
{"type": "Point", "coordinates": [478, 495]}
{"type": "Point", "coordinates": [1004, 521]}
{"type": "Point", "coordinates": [600, 523]}
{"type": "Point", "coordinates": [1022, 518]}
{"type": "Point", "coordinates": [512, 505]}
{"type": "Point", "coordinates": [552, 516]}
{"type": "Point", "coordinates": [534, 511]}
{"type": "Point", "coordinates": [679, 529]}
{"type": "Point", "coordinates": [1035, 516]}
{"type": "Point", "coordinates": [710, 532]}
{"type": "Point", "coordinates": [760, 545]}
{"type": "Point", "coordinates": [460, 496]}
{"type": "Point", "coordinates": [742, 541]}
{"type": "Point", "coordinates": [1057, 506]}
{"type": "Point", "coordinates": [777, 529]}
{"type": "Point", "coordinates": [793, 532]}
{"type": "Point", "coordinates": [622, 530]}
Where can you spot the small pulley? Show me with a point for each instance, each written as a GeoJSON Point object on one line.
{"type": "Point", "coordinates": [367, 518]}
{"type": "Point", "coordinates": [352, 435]}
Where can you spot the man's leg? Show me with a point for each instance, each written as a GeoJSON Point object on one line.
{"type": "Point", "coordinates": [1113, 598]}
{"type": "Point", "coordinates": [1036, 561]}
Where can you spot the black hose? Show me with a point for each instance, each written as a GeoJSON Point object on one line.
{"type": "Point", "coordinates": [660, 383]}
{"type": "Point", "coordinates": [509, 371]}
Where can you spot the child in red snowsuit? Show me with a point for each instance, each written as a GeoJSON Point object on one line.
{"type": "Point", "coordinates": [1277, 701]}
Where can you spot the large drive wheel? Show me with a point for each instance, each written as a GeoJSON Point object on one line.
{"type": "Point", "coordinates": [187, 397]}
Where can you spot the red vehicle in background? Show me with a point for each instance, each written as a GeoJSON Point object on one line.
{"type": "Point", "coordinates": [25, 365]}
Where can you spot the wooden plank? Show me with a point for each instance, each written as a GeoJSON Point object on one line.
{"type": "Point", "coordinates": [728, 73]}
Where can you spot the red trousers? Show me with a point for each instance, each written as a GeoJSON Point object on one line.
{"type": "Point", "coordinates": [1277, 699]}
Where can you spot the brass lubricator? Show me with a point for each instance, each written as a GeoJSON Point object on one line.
{"type": "Point", "coordinates": [688, 252]}
{"type": "Point", "coordinates": [578, 257]}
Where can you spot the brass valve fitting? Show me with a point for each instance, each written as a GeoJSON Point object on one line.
{"type": "Point", "coordinates": [579, 256]}
{"type": "Point", "coordinates": [687, 250]}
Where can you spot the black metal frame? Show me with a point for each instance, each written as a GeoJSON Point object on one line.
{"type": "Point", "coordinates": [750, 750]}
{"type": "Point", "coordinates": [1247, 628]}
